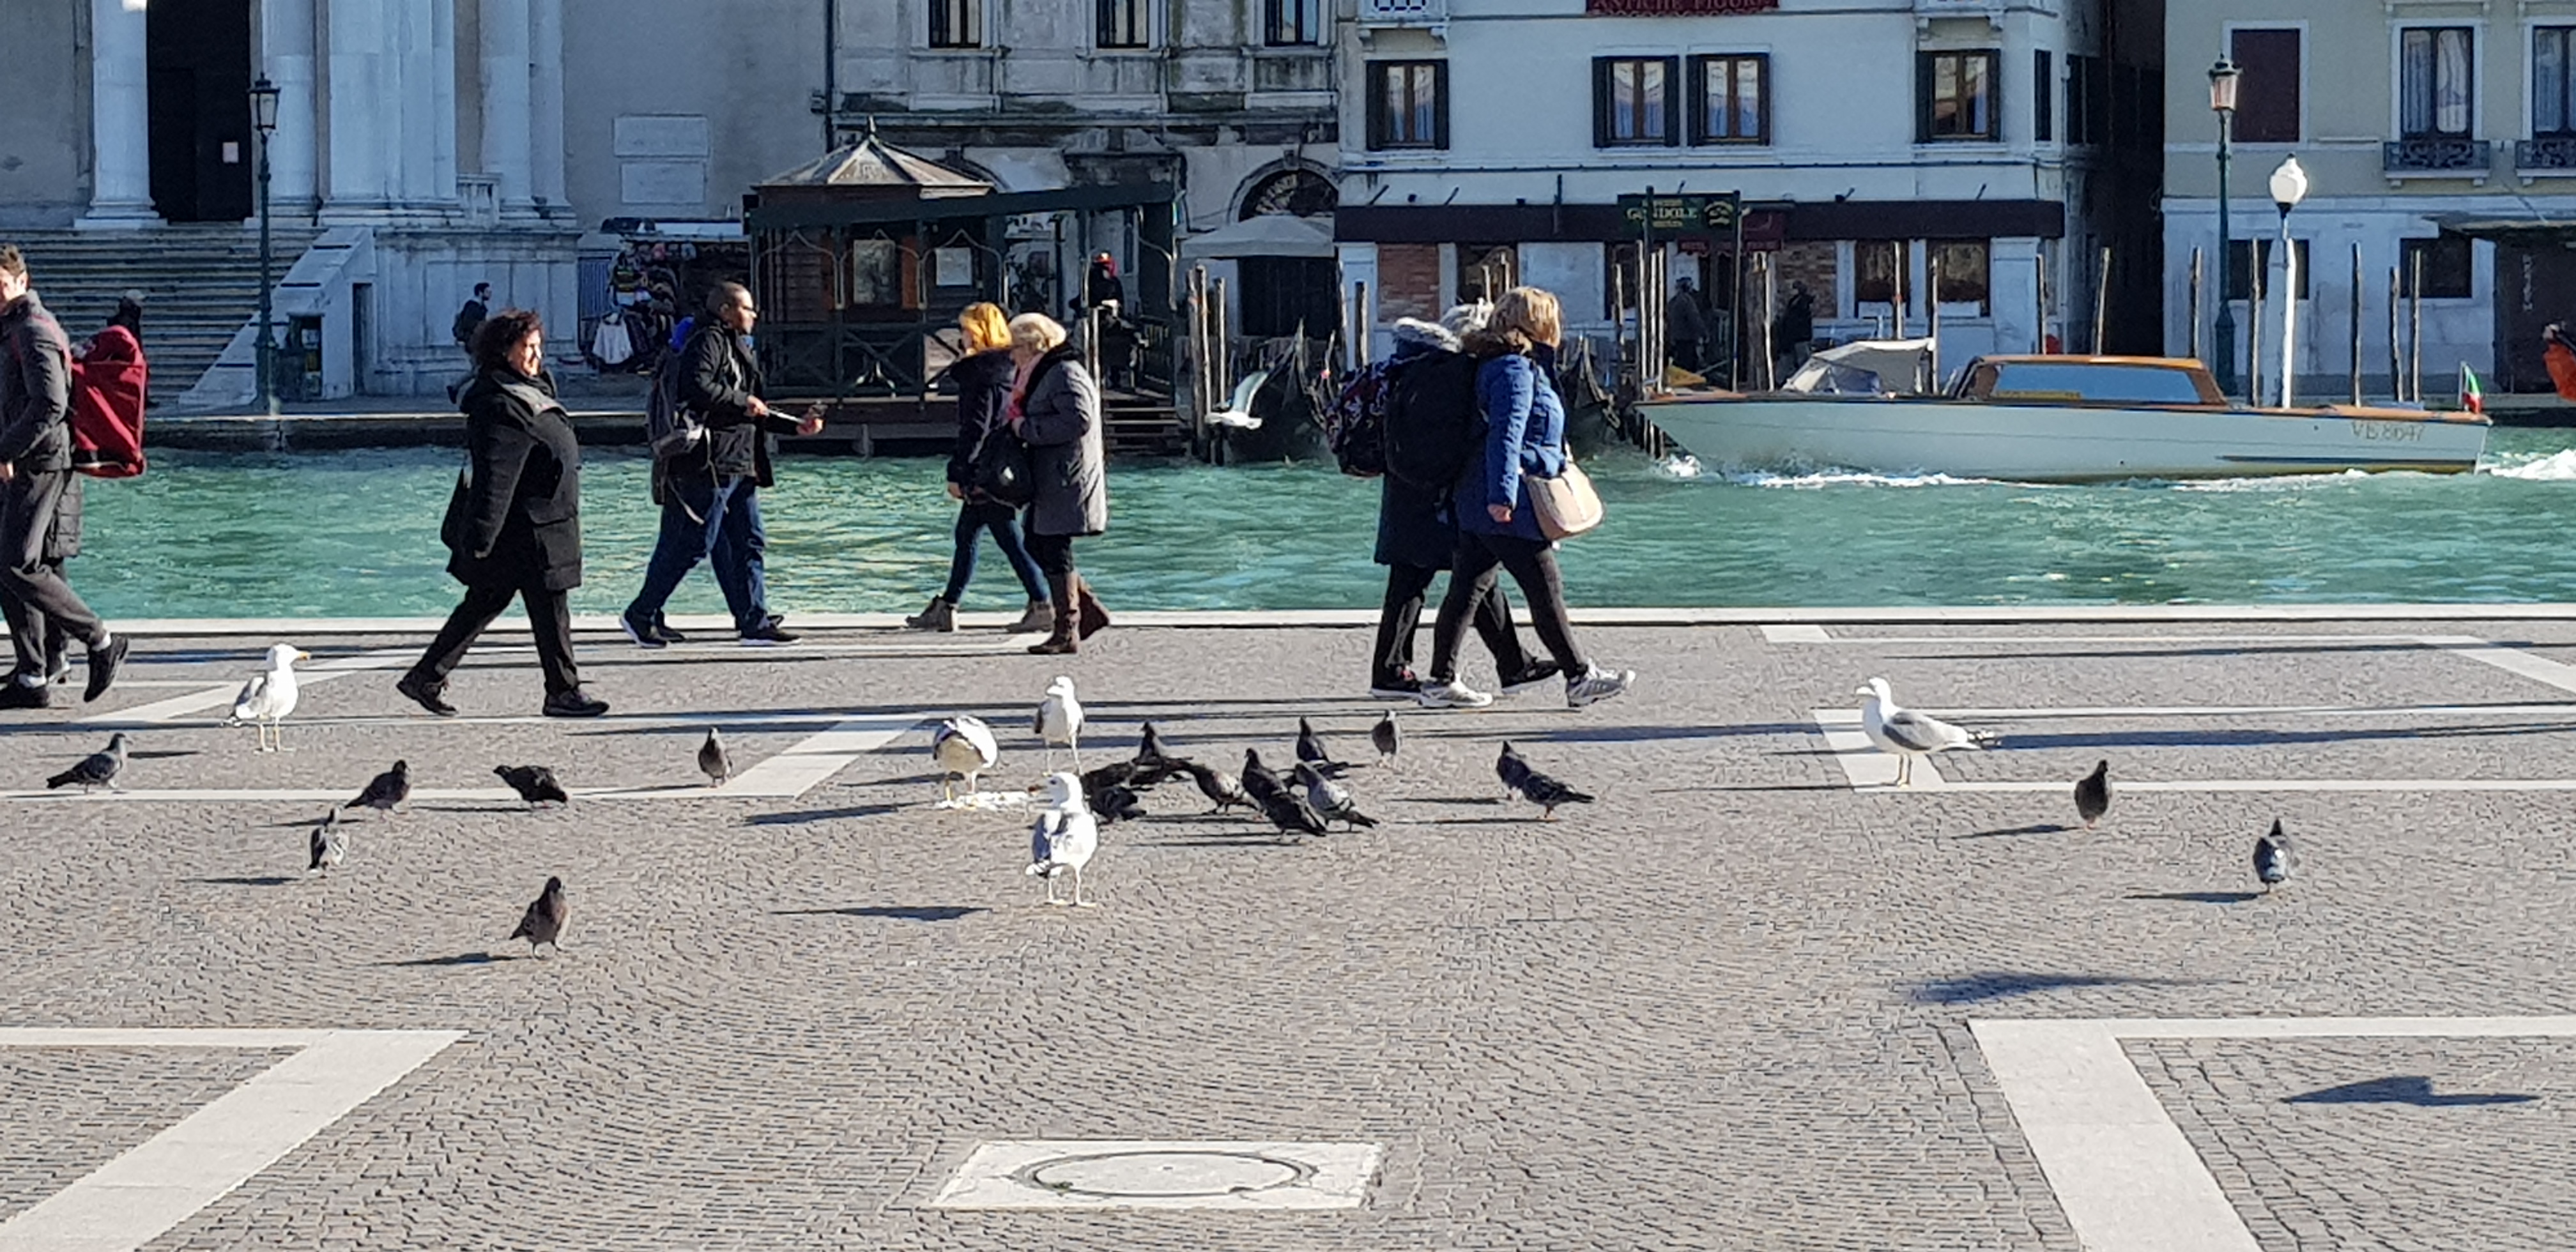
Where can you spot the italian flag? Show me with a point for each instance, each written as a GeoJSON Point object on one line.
{"type": "Point", "coordinates": [2472, 398]}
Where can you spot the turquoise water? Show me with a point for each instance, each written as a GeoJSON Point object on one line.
{"type": "Point", "coordinates": [356, 533]}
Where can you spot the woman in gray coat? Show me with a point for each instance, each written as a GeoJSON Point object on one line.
{"type": "Point", "coordinates": [1055, 408]}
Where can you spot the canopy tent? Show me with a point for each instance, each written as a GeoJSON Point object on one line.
{"type": "Point", "coordinates": [1271, 234]}
{"type": "Point", "coordinates": [1866, 367]}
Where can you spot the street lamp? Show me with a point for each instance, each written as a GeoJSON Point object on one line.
{"type": "Point", "coordinates": [2289, 187]}
{"type": "Point", "coordinates": [263, 119]}
{"type": "Point", "coordinates": [2222, 101]}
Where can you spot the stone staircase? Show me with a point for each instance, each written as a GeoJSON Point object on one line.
{"type": "Point", "coordinates": [200, 285]}
{"type": "Point", "coordinates": [1134, 425]}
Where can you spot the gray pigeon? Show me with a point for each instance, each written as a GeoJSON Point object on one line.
{"type": "Point", "coordinates": [98, 769]}
{"type": "Point", "coordinates": [1221, 788]}
{"type": "Point", "coordinates": [535, 784]}
{"type": "Point", "coordinates": [1331, 799]}
{"type": "Point", "coordinates": [388, 790]}
{"type": "Point", "coordinates": [1291, 814]}
{"type": "Point", "coordinates": [330, 844]}
{"type": "Point", "coordinates": [2093, 794]}
{"type": "Point", "coordinates": [1512, 770]}
{"type": "Point", "coordinates": [713, 760]}
{"type": "Point", "coordinates": [2272, 858]}
{"type": "Point", "coordinates": [1152, 747]}
{"type": "Point", "coordinates": [1385, 739]}
{"type": "Point", "coordinates": [1533, 786]}
{"type": "Point", "coordinates": [1310, 748]}
{"type": "Point", "coordinates": [543, 923]}
{"type": "Point", "coordinates": [1258, 782]}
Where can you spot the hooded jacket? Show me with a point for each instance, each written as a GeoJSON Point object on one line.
{"type": "Point", "coordinates": [1524, 435]}
{"type": "Point", "coordinates": [35, 388]}
{"type": "Point", "coordinates": [515, 519]}
{"type": "Point", "coordinates": [1414, 527]}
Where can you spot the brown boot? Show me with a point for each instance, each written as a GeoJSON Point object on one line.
{"type": "Point", "coordinates": [1091, 617]}
{"type": "Point", "coordinates": [1040, 615]}
{"type": "Point", "coordinates": [940, 615]}
{"type": "Point", "coordinates": [1063, 640]}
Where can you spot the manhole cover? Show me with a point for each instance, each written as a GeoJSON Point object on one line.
{"type": "Point", "coordinates": [1165, 1175]}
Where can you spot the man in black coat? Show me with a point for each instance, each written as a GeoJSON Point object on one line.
{"type": "Point", "coordinates": [35, 475]}
{"type": "Point", "coordinates": [471, 317]}
{"type": "Point", "coordinates": [711, 508]}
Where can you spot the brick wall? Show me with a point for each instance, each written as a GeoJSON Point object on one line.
{"type": "Point", "coordinates": [1408, 276]}
{"type": "Point", "coordinates": [1813, 264]}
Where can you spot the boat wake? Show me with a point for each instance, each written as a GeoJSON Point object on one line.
{"type": "Point", "coordinates": [2556, 467]}
{"type": "Point", "coordinates": [1817, 479]}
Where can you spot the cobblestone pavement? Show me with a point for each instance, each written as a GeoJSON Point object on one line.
{"type": "Point", "coordinates": [1723, 1007]}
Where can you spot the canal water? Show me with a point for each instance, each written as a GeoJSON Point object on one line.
{"type": "Point", "coordinates": [356, 534]}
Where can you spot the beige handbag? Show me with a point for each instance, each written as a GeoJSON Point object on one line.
{"type": "Point", "coordinates": [1567, 505]}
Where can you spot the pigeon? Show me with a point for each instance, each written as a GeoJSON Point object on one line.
{"type": "Point", "coordinates": [1151, 749]}
{"type": "Point", "coordinates": [98, 769]}
{"type": "Point", "coordinates": [329, 845]}
{"type": "Point", "coordinates": [1514, 771]}
{"type": "Point", "coordinates": [1059, 720]}
{"type": "Point", "coordinates": [535, 784]}
{"type": "Point", "coordinates": [1907, 734]}
{"type": "Point", "coordinates": [1116, 804]}
{"type": "Point", "coordinates": [388, 790]}
{"type": "Point", "coordinates": [1258, 782]}
{"type": "Point", "coordinates": [1222, 789]}
{"type": "Point", "coordinates": [714, 761]}
{"type": "Point", "coordinates": [1330, 799]}
{"type": "Point", "coordinates": [2272, 858]}
{"type": "Point", "coordinates": [1385, 739]}
{"type": "Point", "coordinates": [1537, 788]}
{"type": "Point", "coordinates": [1128, 775]}
{"type": "Point", "coordinates": [964, 748]}
{"type": "Point", "coordinates": [1291, 814]}
{"type": "Point", "coordinates": [1064, 837]}
{"type": "Point", "coordinates": [2093, 794]}
{"type": "Point", "coordinates": [1310, 749]}
{"type": "Point", "coordinates": [543, 923]}
{"type": "Point", "coordinates": [269, 696]}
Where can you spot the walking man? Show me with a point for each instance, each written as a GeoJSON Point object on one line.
{"type": "Point", "coordinates": [35, 473]}
{"type": "Point", "coordinates": [470, 318]}
{"type": "Point", "coordinates": [710, 505]}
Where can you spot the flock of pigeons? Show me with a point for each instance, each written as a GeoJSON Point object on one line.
{"type": "Point", "coordinates": [1906, 734]}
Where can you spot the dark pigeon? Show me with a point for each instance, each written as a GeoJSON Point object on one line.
{"type": "Point", "coordinates": [535, 784]}
{"type": "Point", "coordinates": [1291, 814]}
{"type": "Point", "coordinates": [2272, 858]}
{"type": "Point", "coordinates": [329, 844]}
{"type": "Point", "coordinates": [98, 769]}
{"type": "Point", "coordinates": [543, 923]}
{"type": "Point", "coordinates": [1115, 804]}
{"type": "Point", "coordinates": [1258, 782]}
{"type": "Point", "coordinates": [1152, 748]}
{"type": "Point", "coordinates": [388, 790]}
{"type": "Point", "coordinates": [1310, 749]}
{"type": "Point", "coordinates": [1330, 799]}
{"type": "Point", "coordinates": [2093, 794]}
{"type": "Point", "coordinates": [1385, 738]}
{"type": "Point", "coordinates": [713, 760]}
{"type": "Point", "coordinates": [1512, 770]}
{"type": "Point", "coordinates": [1222, 789]}
{"type": "Point", "coordinates": [1533, 786]}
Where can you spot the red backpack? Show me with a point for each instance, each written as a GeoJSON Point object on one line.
{"type": "Point", "coordinates": [108, 385]}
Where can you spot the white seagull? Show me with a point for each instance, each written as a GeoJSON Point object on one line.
{"type": "Point", "coordinates": [964, 747]}
{"type": "Point", "coordinates": [268, 697]}
{"type": "Point", "coordinates": [1906, 734]}
{"type": "Point", "coordinates": [1059, 720]}
{"type": "Point", "coordinates": [1065, 836]}
{"type": "Point", "coordinates": [1237, 413]}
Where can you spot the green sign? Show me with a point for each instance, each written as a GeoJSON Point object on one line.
{"type": "Point", "coordinates": [1681, 215]}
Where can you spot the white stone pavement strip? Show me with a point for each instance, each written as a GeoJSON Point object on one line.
{"type": "Point", "coordinates": [2122, 1172]}
{"type": "Point", "coordinates": [156, 1185]}
{"type": "Point", "coordinates": [1161, 1174]}
{"type": "Point", "coordinates": [2510, 660]}
{"type": "Point", "coordinates": [1864, 766]}
{"type": "Point", "coordinates": [798, 769]}
{"type": "Point", "coordinates": [220, 696]}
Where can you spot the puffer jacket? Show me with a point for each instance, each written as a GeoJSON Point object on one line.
{"type": "Point", "coordinates": [1413, 525]}
{"type": "Point", "coordinates": [1524, 435]}
{"type": "Point", "coordinates": [515, 519]}
{"type": "Point", "coordinates": [1060, 421]}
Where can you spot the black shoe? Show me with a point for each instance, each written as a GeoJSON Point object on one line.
{"type": "Point", "coordinates": [767, 634]}
{"type": "Point", "coordinates": [1400, 685]}
{"type": "Point", "coordinates": [662, 631]}
{"type": "Point", "coordinates": [18, 695]}
{"type": "Point", "coordinates": [574, 703]}
{"type": "Point", "coordinates": [102, 667]}
{"type": "Point", "coordinates": [645, 634]}
{"type": "Point", "coordinates": [425, 695]}
{"type": "Point", "coordinates": [1538, 672]}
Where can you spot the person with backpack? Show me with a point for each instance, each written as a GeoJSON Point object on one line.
{"type": "Point", "coordinates": [470, 318]}
{"type": "Point", "coordinates": [35, 476]}
{"type": "Point", "coordinates": [711, 432]}
{"type": "Point", "coordinates": [983, 378]}
{"type": "Point", "coordinates": [1497, 525]}
{"type": "Point", "coordinates": [1427, 424]}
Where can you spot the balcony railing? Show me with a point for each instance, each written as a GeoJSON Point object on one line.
{"type": "Point", "coordinates": [2547, 152]}
{"type": "Point", "coordinates": [2437, 156]}
{"type": "Point", "coordinates": [1404, 12]}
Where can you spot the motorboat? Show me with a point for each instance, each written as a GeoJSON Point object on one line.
{"type": "Point", "coordinates": [1872, 406]}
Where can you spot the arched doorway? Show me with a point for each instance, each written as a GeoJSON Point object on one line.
{"type": "Point", "coordinates": [198, 55]}
{"type": "Point", "coordinates": [1297, 191]}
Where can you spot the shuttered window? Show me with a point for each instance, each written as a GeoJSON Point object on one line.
{"type": "Point", "coordinates": [1633, 102]}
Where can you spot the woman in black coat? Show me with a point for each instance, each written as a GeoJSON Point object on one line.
{"type": "Point", "coordinates": [513, 526]}
{"type": "Point", "coordinates": [983, 377]}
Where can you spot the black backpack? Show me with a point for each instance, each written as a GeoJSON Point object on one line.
{"type": "Point", "coordinates": [1433, 427]}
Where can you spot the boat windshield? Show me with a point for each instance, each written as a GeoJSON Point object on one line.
{"type": "Point", "coordinates": [2090, 382]}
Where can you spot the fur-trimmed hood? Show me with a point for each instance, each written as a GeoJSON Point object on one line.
{"type": "Point", "coordinates": [1422, 336]}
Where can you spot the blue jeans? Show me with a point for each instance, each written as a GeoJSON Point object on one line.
{"type": "Point", "coordinates": [714, 520]}
{"type": "Point", "coordinates": [972, 520]}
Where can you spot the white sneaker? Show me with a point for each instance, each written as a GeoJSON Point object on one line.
{"type": "Point", "coordinates": [1451, 695]}
{"type": "Point", "coordinates": [1596, 684]}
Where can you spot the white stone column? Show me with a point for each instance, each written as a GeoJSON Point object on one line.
{"type": "Point", "coordinates": [360, 99]}
{"type": "Point", "coordinates": [508, 128]}
{"type": "Point", "coordinates": [412, 97]}
{"type": "Point", "coordinates": [120, 119]}
{"type": "Point", "coordinates": [286, 55]}
{"type": "Point", "coordinates": [441, 47]}
{"type": "Point", "coordinates": [546, 107]}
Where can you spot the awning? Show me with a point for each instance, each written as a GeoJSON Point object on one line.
{"type": "Point", "coordinates": [1271, 234]}
{"type": "Point", "coordinates": [2521, 228]}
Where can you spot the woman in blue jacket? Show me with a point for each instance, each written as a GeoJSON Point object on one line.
{"type": "Point", "coordinates": [1524, 437]}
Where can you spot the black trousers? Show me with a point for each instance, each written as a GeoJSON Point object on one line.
{"type": "Point", "coordinates": [1401, 616]}
{"type": "Point", "coordinates": [1532, 563]}
{"type": "Point", "coordinates": [33, 595]}
{"type": "Point", "coordinates": [1053, 553]}
{"type": "Point", "coordinates": [549, 616]}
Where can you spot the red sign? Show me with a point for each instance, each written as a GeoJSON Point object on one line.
{"type": "Point", "coordinates": [1676, 8]}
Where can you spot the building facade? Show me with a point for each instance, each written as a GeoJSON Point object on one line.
{"type": "Point", "coordinates": [1871, 142]}
{"type": "Point", "coordinates": [2439, 134]}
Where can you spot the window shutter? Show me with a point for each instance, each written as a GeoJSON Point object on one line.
{"type": "Point", "coordinates": [1440, 105]}
{"type": "Point", "coordinates": [2043, 96]}
{"type": "Point", "coordinates": [1923, 97]}
{"type": "Point", "coordinates": [1695, 101]}
{"type": "Point", "coordinates": [1994, 94]}
{"type": "Point", "coordinates": [1672, 102]}
{"type": "Point", "coordinates": [1373, 103]}
{"type": "Point", "coordinates": [1600, 102]}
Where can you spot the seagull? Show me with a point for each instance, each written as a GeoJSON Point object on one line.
{"type": "Point", "coordinates": [1331, 799]}
{"type": "Point", "coordinates": [329, 845]}
{"type": "Point", "coordinates": [1907, 734]}
{"type": "Point", "coordinates": [1064, 837]}
{"type": "Point", "coordinates": [1237, 412]}
{"type": "Point", "coordinates": [1514, 771]}
{"type": "Point", "coordinates": [1151, 749]}
{"type": "Point", "coordinates": [1310, 749]}
{"type": "Point", "coordinates": [2093, 794]}
{"type": "Point", "coordinates": [1385, 738]}
{"type": "Point", "coordinates": [964, 747]}
{"type": "Point", "coordinates": [1221, 788]}
{"type": "Point", "coordinates": [269, 696]}
{"type": "Point", "coordinates": [98, 769]}
{"type": "Point", "coordinates": [535, 784]}
{"type": "Point", "coordinates": [714, 761]}
{"type": "Point", "coordinates": [1059, 720]}
{"type": "Point", "coordinates": [2272, 858]}
{"type": "Point", "coordinates": [543, 923]}
{"type": "Point", "coordinates": [388, 790]}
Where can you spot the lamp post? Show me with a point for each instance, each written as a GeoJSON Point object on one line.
{"type": "Point", "coordinates": [2289, 187]}
{"type": "Point", "coordinates": [263, 119]}
{"type": "Point", "coordinates": [2222, 101]}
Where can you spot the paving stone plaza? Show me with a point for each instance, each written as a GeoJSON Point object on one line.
{"type": "Point", "coordinates": [1753, 997]}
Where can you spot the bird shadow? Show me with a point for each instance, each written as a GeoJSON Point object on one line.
{"type": "Point", "coordinates": [159, 754]}
{"type": "Point", "coordinates": [2414, 1089]}
{"type": "Point", "coordinates": [2199, 897]}
{"type": "Point", "coordinates": [2038, 828]}
{"type": "Point", "coordinates": [1483, 799]}
{"type": "Point", "coordinates": [266, 880]}
{"type": "Point", "coordinates": [461, 958]}
{"type": "Point", "coordinates": [1993, 984]}
{"type": "Point", "coordinates": [1248, 839]}
{"type": "Point", "coordinates": [895, 912]}
{"type": "Point", "coordinates": [1484, 821]}
{"type": "Point", "coordinates": [1674, 791]}
{"type": "Point", "coordinates": [803, 816]}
